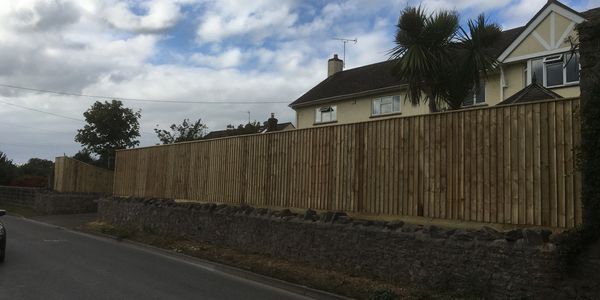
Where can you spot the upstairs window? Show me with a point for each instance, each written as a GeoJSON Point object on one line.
{"type": "Point", "coordinates": [555, 70]}
{"type": "Point", "coordinates": [386, 105]}
{"type": "Point", "coordinates": [326, 114]}
{"type": "Point", "coordinates": [476, 97]}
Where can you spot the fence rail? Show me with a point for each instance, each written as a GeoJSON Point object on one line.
{"type": "Point", "coordinates": [505, 164]}
{"type": "Point", "coordinates": [71, 175]}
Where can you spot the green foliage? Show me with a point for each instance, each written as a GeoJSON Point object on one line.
{"type": "Point", "coordinates": [383, 294]}
{"type": "Point", "coordinates": [183, 132]}
{"type": "Point", "coordinates": [111, 126]}
{"type": "Point", "coordinates": [37, 167]}
{"type": "Point", "coordinates": [439, 59]}
{"type": "Point", "coordinates": [85, 156]}
{"type": "Point", "coordinates": [249, 128]}
{"type": "Point", "coordinates": [7, 169]}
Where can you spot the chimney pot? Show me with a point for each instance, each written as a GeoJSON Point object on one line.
{"type": "Point", "coordinates": [334, 65]}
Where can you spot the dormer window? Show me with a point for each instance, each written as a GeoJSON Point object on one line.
{"type": "Point", "coordinates": [555, 70]}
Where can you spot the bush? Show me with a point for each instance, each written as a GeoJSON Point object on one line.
{"type": "Point", "coordinates": [30, 181]}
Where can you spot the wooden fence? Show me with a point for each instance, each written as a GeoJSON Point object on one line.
{"type": "Point", "coordinates": [507, 165]}
{"type": "Point", "coordinates": [71, 175]}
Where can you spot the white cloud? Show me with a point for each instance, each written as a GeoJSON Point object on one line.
{"type": "Point", "coordinates": [253, 19]}
{"type": "Point", "coordinates": [228, 59]}
{"type": "Point", "coordinates": [263, 50]}
{"type": "Point", "coordinates": [160, 15]}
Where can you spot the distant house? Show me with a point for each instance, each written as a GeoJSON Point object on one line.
{"type": "Point", "coordinates": [540, 49]}
{"type": "Point", "coordinates": [271, 125]}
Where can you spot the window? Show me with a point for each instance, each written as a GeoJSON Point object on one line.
{"type": "Point", "coordinates": [386, 105]}
{"type": "Point", "coordinates": [476, 97]}
{"type": "Point", "coordinates": [326, 114]}
{"type": "Point", "coordinates": [555, 70]}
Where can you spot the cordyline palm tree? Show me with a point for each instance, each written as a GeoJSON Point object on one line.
{"type": "Point", "coordinates": [441, 61]}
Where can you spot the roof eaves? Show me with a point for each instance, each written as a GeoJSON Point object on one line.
{"type": "Point", "coordinates": [349, 96]}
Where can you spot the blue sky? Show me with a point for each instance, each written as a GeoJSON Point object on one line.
{"type": "Point", "coordinates": [261, 50]}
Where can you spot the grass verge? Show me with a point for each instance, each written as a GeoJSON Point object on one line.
{"type": "Point", "coordinates": [19, 211]}
{"type": "Point", "coordinates": [298, 273]}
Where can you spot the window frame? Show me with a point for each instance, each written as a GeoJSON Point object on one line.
{"type": "Point", "coordinates": [550, 59]}
{"type": "Point", "coordinates": [392, 100]}
{"type": "Point", "coordinates": [475, 94]}
{"type": "Point", "coordinates": [319, 111]}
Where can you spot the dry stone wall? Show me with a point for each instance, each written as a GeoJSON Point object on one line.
{"type": "Point", "coordinates": [485, 262]}
{"type": "Point", "coordinates": [47, 201]}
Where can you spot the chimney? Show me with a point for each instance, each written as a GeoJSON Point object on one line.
{"type": "Point", "coordinates": [334, 65]}
{"type": "Point", "coordinates": [272, 123]}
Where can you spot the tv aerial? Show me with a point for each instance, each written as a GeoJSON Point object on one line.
{"type": "Point", "coordinates": [346, 41]}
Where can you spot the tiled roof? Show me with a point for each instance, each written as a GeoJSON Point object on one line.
{"type": "Point", "coordinates": [376, 78]}
{"type": "Point", "coordinates": [241, 131]}
{"type": "Point", "coordinates": [532, 92]}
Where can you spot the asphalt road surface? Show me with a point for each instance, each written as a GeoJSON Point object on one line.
{"type": "Point", "coordinates": [47, 262]}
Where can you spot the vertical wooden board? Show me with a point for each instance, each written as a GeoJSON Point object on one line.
{"type": "Point", "coordinates": [505, 162]}
{"type": "Point", "coordinates": [426, 161]}
{"type": "Point", "coordinates": [514, 164]}
{"type": "Point", "coordinates": [405, 168]}
{"type": "Point", "coordinates": [442, 163]}
{"type": "Point", "coordinates": [337, 171]}
{"type": "Point", "coordinates": [474, 164]}
{"type": "Point", "coordinates": [423, 165]}
{"type": "Point", "coordinates": [493, 162]}
{"type": "Point", "coordinates": [409, 166]}
{"type": "Point", "coordinates": [437, 166]}
{"type": "Point", "coordinates": [560, 163]}
{"type": "Point", "coordinates": [418, 211]}
{"type": "Point", "coordinates": [569, 165]}
{"type": "Point", "coordinates": [363, 167]}
{"type": "Point", "coordinates": [467, 164]}
{"type": "Point", "coordinates": [537, 199]}
{"type": "Point", "coordinates": [395, 136]}
{"type": "Point", "coordinates": [552, 164]}
{"type": "Point", "coordinates": [577, 173]}
{"type": "Point", "coordinates": [378, 170]}
{"type": "Point", "coordinates": [480, 164]}
{"type": "Point", "coordinates": [453, 182]}
{"type": "Point", "coordinates": [529, 149]}
{"type": "Point", "coordinates": [387, 162]}
{"type": "Point", "coordinates": [522, 182]}
{"type": "Point", "coordinates": [486, 166]}
{"type": "Point", "coordinates": [544, 166]}
{"type": "Point", "coordinates": [461, 176]}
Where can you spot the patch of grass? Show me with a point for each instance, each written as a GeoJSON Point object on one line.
{"type": "Point", "coordinates": [298, 273]}
{"type": "Point", "coordinates": [19, 211]}
{"type": "Point", "coordinates": [107, 229]}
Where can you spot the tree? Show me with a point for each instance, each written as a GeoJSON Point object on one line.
{"type": "Point", "coordinates": [186, 131]}
{"type": "Point", "coordinates": [439, 59]}
{"type": "Point", "coordinates": [110, 127]}
{"type": "Point", "coordinates": [85, 156]}
{"type": "Point", "coordinates": [7, 169]}
{"type": "Point", "coordinates": [36, 167]}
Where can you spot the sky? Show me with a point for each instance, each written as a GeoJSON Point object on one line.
{"type": "Point", "coordinates": [223, 51]}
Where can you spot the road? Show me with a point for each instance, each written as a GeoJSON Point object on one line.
{"type": "Point", "coordinates": [48, 262]}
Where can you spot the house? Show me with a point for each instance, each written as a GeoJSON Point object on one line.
{"type": "Point", "coordinates": [271, 125]}
{"type": "Point", "coordinates": [541, 49]}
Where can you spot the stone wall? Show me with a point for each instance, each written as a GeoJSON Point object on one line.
{"type": "Point", "coordinates": [48, 202]}
{"type": "Point", "coordinates": [19, 196]}
{"type": "Point", "coordinates": [516, 263]}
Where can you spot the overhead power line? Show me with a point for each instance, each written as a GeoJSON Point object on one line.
{"type": "Point", "coordinates": [43, 112]}
{"type": "Point", "coordinates": [55, 114]}
{"type": "Point", "coordinates": [139, 99]}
